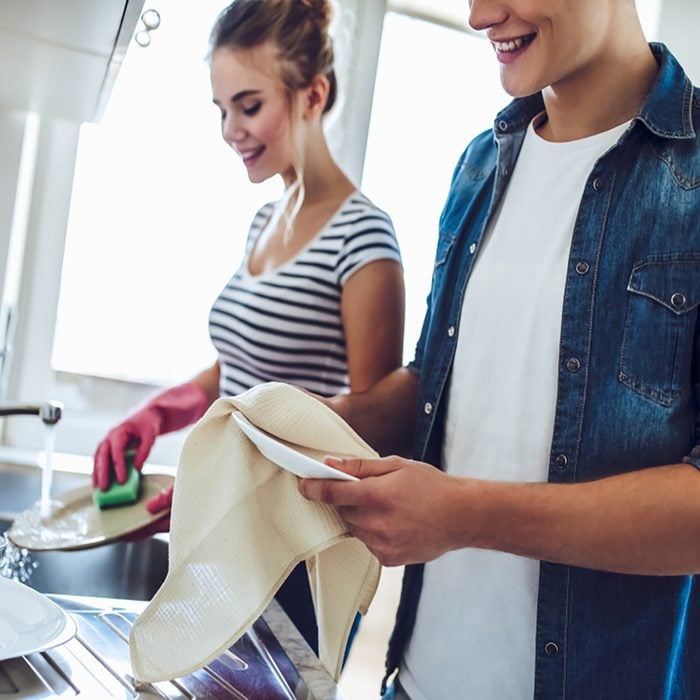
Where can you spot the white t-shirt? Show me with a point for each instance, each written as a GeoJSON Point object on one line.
{"type": "Point", "coordinates": [475, 628]}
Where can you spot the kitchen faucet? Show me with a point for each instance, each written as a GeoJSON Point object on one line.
{"type": "Point", "coordinates": [50, 412]}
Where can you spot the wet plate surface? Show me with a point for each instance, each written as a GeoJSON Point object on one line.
{"type": "Point", "coordinates": [74, 521]}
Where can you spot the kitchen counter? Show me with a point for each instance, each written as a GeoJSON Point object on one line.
{"type": "Point", "coordinates": [270, 661]}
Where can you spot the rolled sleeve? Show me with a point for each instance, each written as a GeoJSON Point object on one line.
{"type": "Point", "coordinates": [694, 457]}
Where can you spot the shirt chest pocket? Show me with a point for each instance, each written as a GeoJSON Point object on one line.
{"type": "Point", "coordinates": [662, 311]}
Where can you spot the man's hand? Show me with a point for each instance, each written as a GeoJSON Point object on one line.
{"type": "Point", "coordinates": [404, 511]}
{"type": "Point", "coordinates": [642, 522]}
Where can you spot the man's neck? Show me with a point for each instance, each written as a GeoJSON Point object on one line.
{"type": "Point", "coordinates": [609, 93]}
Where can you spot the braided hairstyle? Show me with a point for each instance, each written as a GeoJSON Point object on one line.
{"type": "Point", "coordinates": [297, 28]}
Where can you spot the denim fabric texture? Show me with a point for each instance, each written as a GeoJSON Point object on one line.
{"type": "Point", "coordinates": [628, 380]}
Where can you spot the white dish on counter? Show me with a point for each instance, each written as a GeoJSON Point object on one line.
{"type": "Point", "coordinates": [29, 621]}
{"type": "Point", "coordinates": [287, 456]}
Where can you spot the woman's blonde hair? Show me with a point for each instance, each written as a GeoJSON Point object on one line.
{"type": "Point", "coordinates": [297, 28]}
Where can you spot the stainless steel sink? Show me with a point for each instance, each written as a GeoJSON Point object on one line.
{"type": "Point", "coordinates": [95, 664]}
{"type": "Point", "coordinates": [132, 571]}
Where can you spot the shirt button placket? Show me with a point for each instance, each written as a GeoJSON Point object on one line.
{"type": "Point", "coordinates": [551, 648]}
{"type": "Point", "coordinates": [573, 364]}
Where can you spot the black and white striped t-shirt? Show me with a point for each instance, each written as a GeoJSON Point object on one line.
{"type": "Point", "coordinates": [285, 324]}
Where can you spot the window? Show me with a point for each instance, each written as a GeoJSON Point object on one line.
{"type": "Point", "coordinates": [159, 215]}
{"type": "Point", "coordinates": [436, 89]}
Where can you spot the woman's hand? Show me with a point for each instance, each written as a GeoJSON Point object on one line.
{"type": "Point", "coordinates": [166, 412]}
{"type": "Point", "coordinates": [161, 502]}
{"type": "Point", "coordinates": [139, 431]}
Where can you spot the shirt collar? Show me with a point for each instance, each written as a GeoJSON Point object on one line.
{"type": "Point", "coordinates": [666, 111]}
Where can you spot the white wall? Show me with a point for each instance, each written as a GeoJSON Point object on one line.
{"type": "Point", "coordinates": [679, 27]}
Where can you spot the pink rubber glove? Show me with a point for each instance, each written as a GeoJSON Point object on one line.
{"type": "Point", "coordinates": [162, 501]}
{"type": "Point", "coordinates": [168, 411]}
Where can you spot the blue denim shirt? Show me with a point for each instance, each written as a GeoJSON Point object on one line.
{"type": "Point", "coordinates": [628, 380]}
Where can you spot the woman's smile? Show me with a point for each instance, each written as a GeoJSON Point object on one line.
{"type": "Point", "coordinates": [250, 156]}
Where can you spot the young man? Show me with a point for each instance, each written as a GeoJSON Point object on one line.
{"type": "Point", "coordinates": [557, 381]}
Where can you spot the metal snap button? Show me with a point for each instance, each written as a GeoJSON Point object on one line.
{"type": "Point", "coordinates": [551, 648]}
{"type": "Point", "coordinates": [427, 408]}
{"type": "Point", "coordinates": [597, 184]}
{"type": "Point", "coordinates": [562, 461]}
{"type": "Point", "coordinates": [503, 125]}
{"type": "Point", "coordinates": [472, 248]}
{"type": "Point", "coordinates": [678, 300]}
{"type": "Point", "coordinates": [573, 364]}
{"type": "Point", "coordinates": [451, 331]}
{"type": "Point", "coordinates": [582, 267]}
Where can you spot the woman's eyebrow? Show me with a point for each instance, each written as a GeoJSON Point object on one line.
{"type": "Point", "coordinates": [238, 96]}
{"type": "Point", "coordinates": [243, 94]}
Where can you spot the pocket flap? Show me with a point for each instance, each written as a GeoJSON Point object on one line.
{"type": "Point", "coordinates": [672, 282]}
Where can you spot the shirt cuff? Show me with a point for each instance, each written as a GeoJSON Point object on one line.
{"type": "Point", "coordinates": [694, 457]}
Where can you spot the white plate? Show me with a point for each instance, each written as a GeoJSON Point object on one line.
{"type": "Point", "coordinates": [284, 454]}
{"type": "Point", "coordinates": [29, 621]}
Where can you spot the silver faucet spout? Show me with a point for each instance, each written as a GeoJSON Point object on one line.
{"type": "Point", "coordinates": [50, 412]}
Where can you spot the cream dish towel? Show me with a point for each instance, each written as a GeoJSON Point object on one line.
{"type": "Point", "coordinates": [239, 526]}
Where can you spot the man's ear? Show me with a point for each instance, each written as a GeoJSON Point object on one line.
{"type": "Point", "coordinates": [316, 96]}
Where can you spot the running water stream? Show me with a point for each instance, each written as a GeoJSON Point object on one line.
{"type": "Point", "coordinates": [46, 463]}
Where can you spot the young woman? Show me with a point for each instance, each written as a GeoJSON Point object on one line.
{"type": "Point", "coordinates": [318, 298]}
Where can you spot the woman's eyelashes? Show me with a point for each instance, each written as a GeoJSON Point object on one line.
{"type": "Point", "coordinates": [247, 111]}
{"type": "Point", "coordinates": [253, 109]}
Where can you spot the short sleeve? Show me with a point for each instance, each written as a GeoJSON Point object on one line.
{"type": "Point", "coordinates": [369, 237]}
{"type": "Point", "coordinates": [259, 222]}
